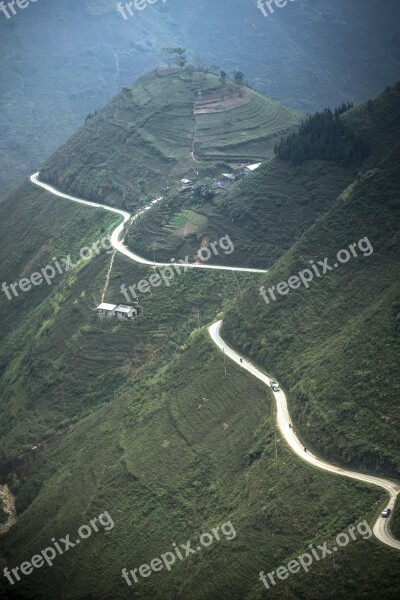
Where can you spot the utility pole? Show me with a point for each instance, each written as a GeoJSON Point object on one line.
{"type": "Point", "coordinates": [276, 449]}
{"type": "Point", "coordinates": [154, 252]}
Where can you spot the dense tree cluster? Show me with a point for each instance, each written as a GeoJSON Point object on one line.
{"type": "Point", "coordinates": [239, 77]}
{"type": "Point", "coordinates": [323, 136]}
{"type": "Point", "coordinates": [343, 108]}
{"type": "Point", "coordinates": [91, 115]}
{"type": "Point", "coordinates": [203, 193]}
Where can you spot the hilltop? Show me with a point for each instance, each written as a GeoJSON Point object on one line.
{"type": "Point", "coordinates": [167, 125]}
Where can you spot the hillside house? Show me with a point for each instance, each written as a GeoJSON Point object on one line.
{"type": "Point", "coordinates": [105, 310]}
{"type": "Point", "coordinates": [220, 187]}
{"type": "Point", "coordinates": [120, 311]}
{"type": "Point", "coordinates": [123, 312]}
{"type": "Point", "coordinates": [230, 177]}
{"type": "Point", "coordinates": [250, 168]}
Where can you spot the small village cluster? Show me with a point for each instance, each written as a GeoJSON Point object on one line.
{"type": "Point", "coordinates": [223, 184]}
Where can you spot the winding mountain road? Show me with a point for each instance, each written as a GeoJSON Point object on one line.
{"type": "Point", "coordinates": [118, 243]}
{"type": "Point", "coordinates": [381, 527]}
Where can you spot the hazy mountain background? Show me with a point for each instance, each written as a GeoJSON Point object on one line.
{"type": "Point", "coordinates": [62, 59]}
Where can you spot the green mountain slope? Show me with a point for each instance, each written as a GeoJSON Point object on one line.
{"type": "Point", "coordinates": [73, 362]}
{"type": "Point", "coordinates": [264, 213]}
{"type": "Point", "coordinates": [335, 344]}
{"type": "Point", "coordinates": [143, 140]}
{"type": "Point", "coordinates": [155, 426]}
{"type": "Point", "coordinates": [176, 455]}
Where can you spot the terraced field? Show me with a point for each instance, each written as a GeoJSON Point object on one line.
{"type": "Point", "coordinates": [229, 123]}
{"type": "Point", "coordinates": [186, 221]}
{"type": "Point", "coordinates": [243, 133]}
{"type": "Point", "coordinates": [172, 127]}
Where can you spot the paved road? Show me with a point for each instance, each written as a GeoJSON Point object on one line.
{"type": "Point", "coordinates": [118, 243]}
{"type": "Point", "coordinates": [381, 528]}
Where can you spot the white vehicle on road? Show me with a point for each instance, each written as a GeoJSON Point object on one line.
{"type": "Point", "coordinates": [275, 385]}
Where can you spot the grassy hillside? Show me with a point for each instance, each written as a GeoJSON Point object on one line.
{"type": "Point", "coordinates": [335, 345]}
{"type": "Point", "coordinates": [263, 214]}
{"type": "Point", "coordinates": [245, 125]}
{"type": "Point", "coordinates": [73, 362]}
{"type": "Point", "coordinates": [157, 428]}
{"type": "Point", "coordinates": [175, 455]}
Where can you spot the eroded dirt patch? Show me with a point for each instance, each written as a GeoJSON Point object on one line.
{"type": "Point", "coordinates": [8, 504]}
